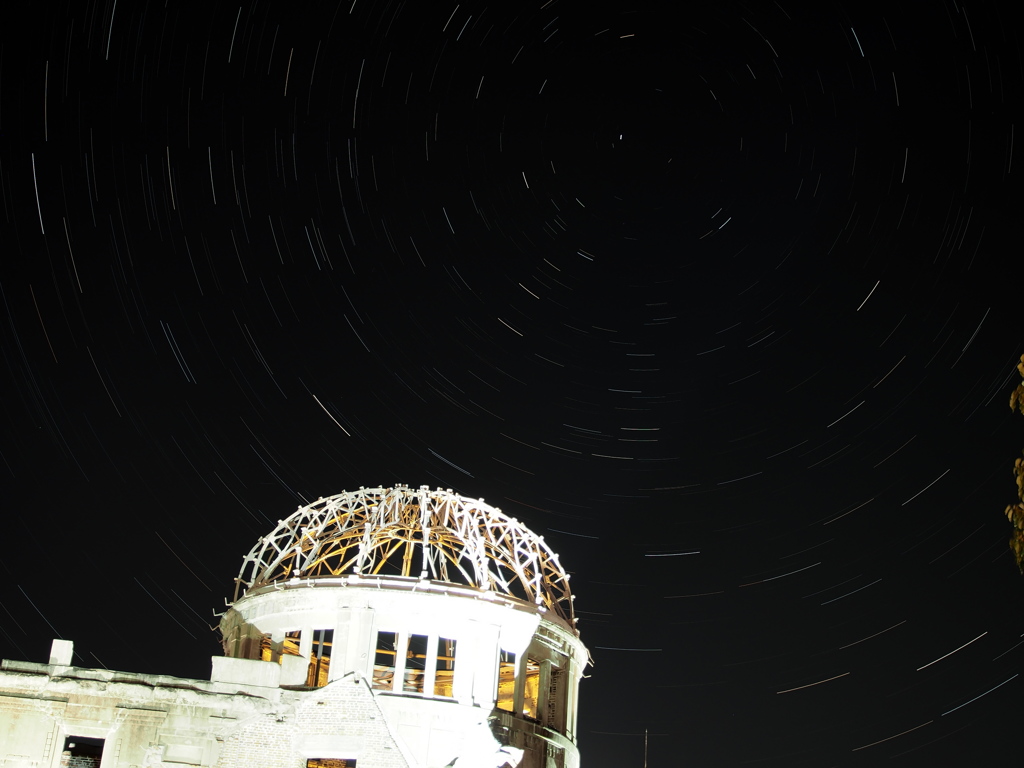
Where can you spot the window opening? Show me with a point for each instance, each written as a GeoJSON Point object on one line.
{"type": "Point", "coordinates": [444, 672]}
{"type": "Point", "coordinates": [531, 688]}
{"type": "Point", "coordinates": [330, 762]}
{"type": "Point", "coordinates": [384, 661]}
{"type": "Point", "coordinates": [290, 646]}
{"type": "Point", "coordinates": [415, 664]}
{"type": "Point", "coordinates": [506, 681]}
{"type": "Point", "coordinates": [320, 658]}
{"type": "Point", "coordinates": [266, 648]}
{"type": "Point", "coordinates": [81, 752]}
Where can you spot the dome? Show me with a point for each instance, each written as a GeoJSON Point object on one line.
{"type": "Point", "coordinates": [432, 535]}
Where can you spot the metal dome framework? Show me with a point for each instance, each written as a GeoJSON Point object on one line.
{"type": "Point", "coordinates": [431, 534]}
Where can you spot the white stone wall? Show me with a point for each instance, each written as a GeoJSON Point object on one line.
{"type": "Point", "coordinates": [156, 721]}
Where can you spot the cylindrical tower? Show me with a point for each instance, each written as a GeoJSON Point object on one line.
{"type": "Point", "coordinates": [458, 618]}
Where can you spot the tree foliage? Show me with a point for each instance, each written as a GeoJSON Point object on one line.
{"type": "Point", "coordinates": [1015, 512]}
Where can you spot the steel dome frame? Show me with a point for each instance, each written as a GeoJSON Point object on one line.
{"type": "Point", "coordinates": [375, 531]}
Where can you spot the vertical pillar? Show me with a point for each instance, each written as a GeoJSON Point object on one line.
{"type": "Point", "coordinates": [354, 643]}
{"type": "Point", "coordinates": [430, 665]}
{"type": "Point", "coordinates": [343, 654]}
{"type": "Point", "coordinates": [517, 698]}
{"type": "Point", "coordinates": [401, 649]}
{"type": "Point", "coordinates": [467, 653]}
{"type": "Point", "coordinates": [306, 642]}
{"type": "Point", "coordinates": [485, 665]}
{"type": "Point", "coordinates": [544, 694]}
{"type": "Point", "coordinates": [573, 674]}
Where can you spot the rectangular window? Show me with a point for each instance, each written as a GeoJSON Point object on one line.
{"type": "Point", "coordinates": [415, 664]}
{"type": "Point", "coordinates": [266, 648]}
{"type": "Point", "coordinates": [506, 681]}
{"type": "Point", "coordinates": [531, 689]}
{"type": "Point", "coordinates": [384, 661]}
{"type": "Point", "coordinates": [81, 752]}
{"type": "Point", "coordinates": [290, 646]}
{"type": "Point", "coordinates": [320, 658]}
{"type": "Point", "coordinates": [330, 762]}
{"type": "Point", "coordinates": [444, 673]}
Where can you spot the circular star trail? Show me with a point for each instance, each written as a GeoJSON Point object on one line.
{"type": "Point", "coordinates": [722, 303]}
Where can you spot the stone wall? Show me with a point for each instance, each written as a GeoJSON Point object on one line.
{"type": "Point", "coordinates": [341, 720]}
{"type": "Point", "coordinates": [150, 721]}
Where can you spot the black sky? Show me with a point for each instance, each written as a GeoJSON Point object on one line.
{"type": "Point", "coordinates": [724, 304]}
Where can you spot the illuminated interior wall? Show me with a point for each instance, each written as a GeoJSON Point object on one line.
{"type": "Point", "coordinates": [531, 688]}
{"type": "Point", "coordinates": [320, 658]}
{"type": "Point", "coordinates": [506, 689]}
{"type": "Point", "coordinates": [444, 669]}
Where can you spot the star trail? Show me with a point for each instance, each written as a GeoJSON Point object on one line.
{"type": "Point", "coordinates": [722, 301]}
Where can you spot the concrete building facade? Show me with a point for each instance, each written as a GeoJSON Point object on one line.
{"type": "Point", "coordinates": [381, 628]}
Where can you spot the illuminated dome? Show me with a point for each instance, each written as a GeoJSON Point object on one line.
{"type": "Point", "coordinates": [432, 535]}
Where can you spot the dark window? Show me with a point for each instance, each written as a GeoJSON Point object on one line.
{"type": "Point", "coordinates": [415, 664]}
{"type": "Point", "coordinates": [384, 661]}
{"type": "Point", "coordinates": [444, 672]}
{"type": "Point", "coordinates": [330, 762]}
{"type": "Point", "coordinates": [506, 680]}
{"type": "Point", "coordinates": [320, 658]}
{"type": "Point", "coordinates": [82, 752]}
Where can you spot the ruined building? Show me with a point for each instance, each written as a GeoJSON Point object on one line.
{"type": "Point", "coordinates": [380, 628]}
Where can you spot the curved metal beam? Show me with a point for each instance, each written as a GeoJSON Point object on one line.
{"type": "Point", "coordinates": [380, 530]}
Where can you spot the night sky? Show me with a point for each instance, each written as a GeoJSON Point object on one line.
{"type": "Point", "coordinates": [724, 304]}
